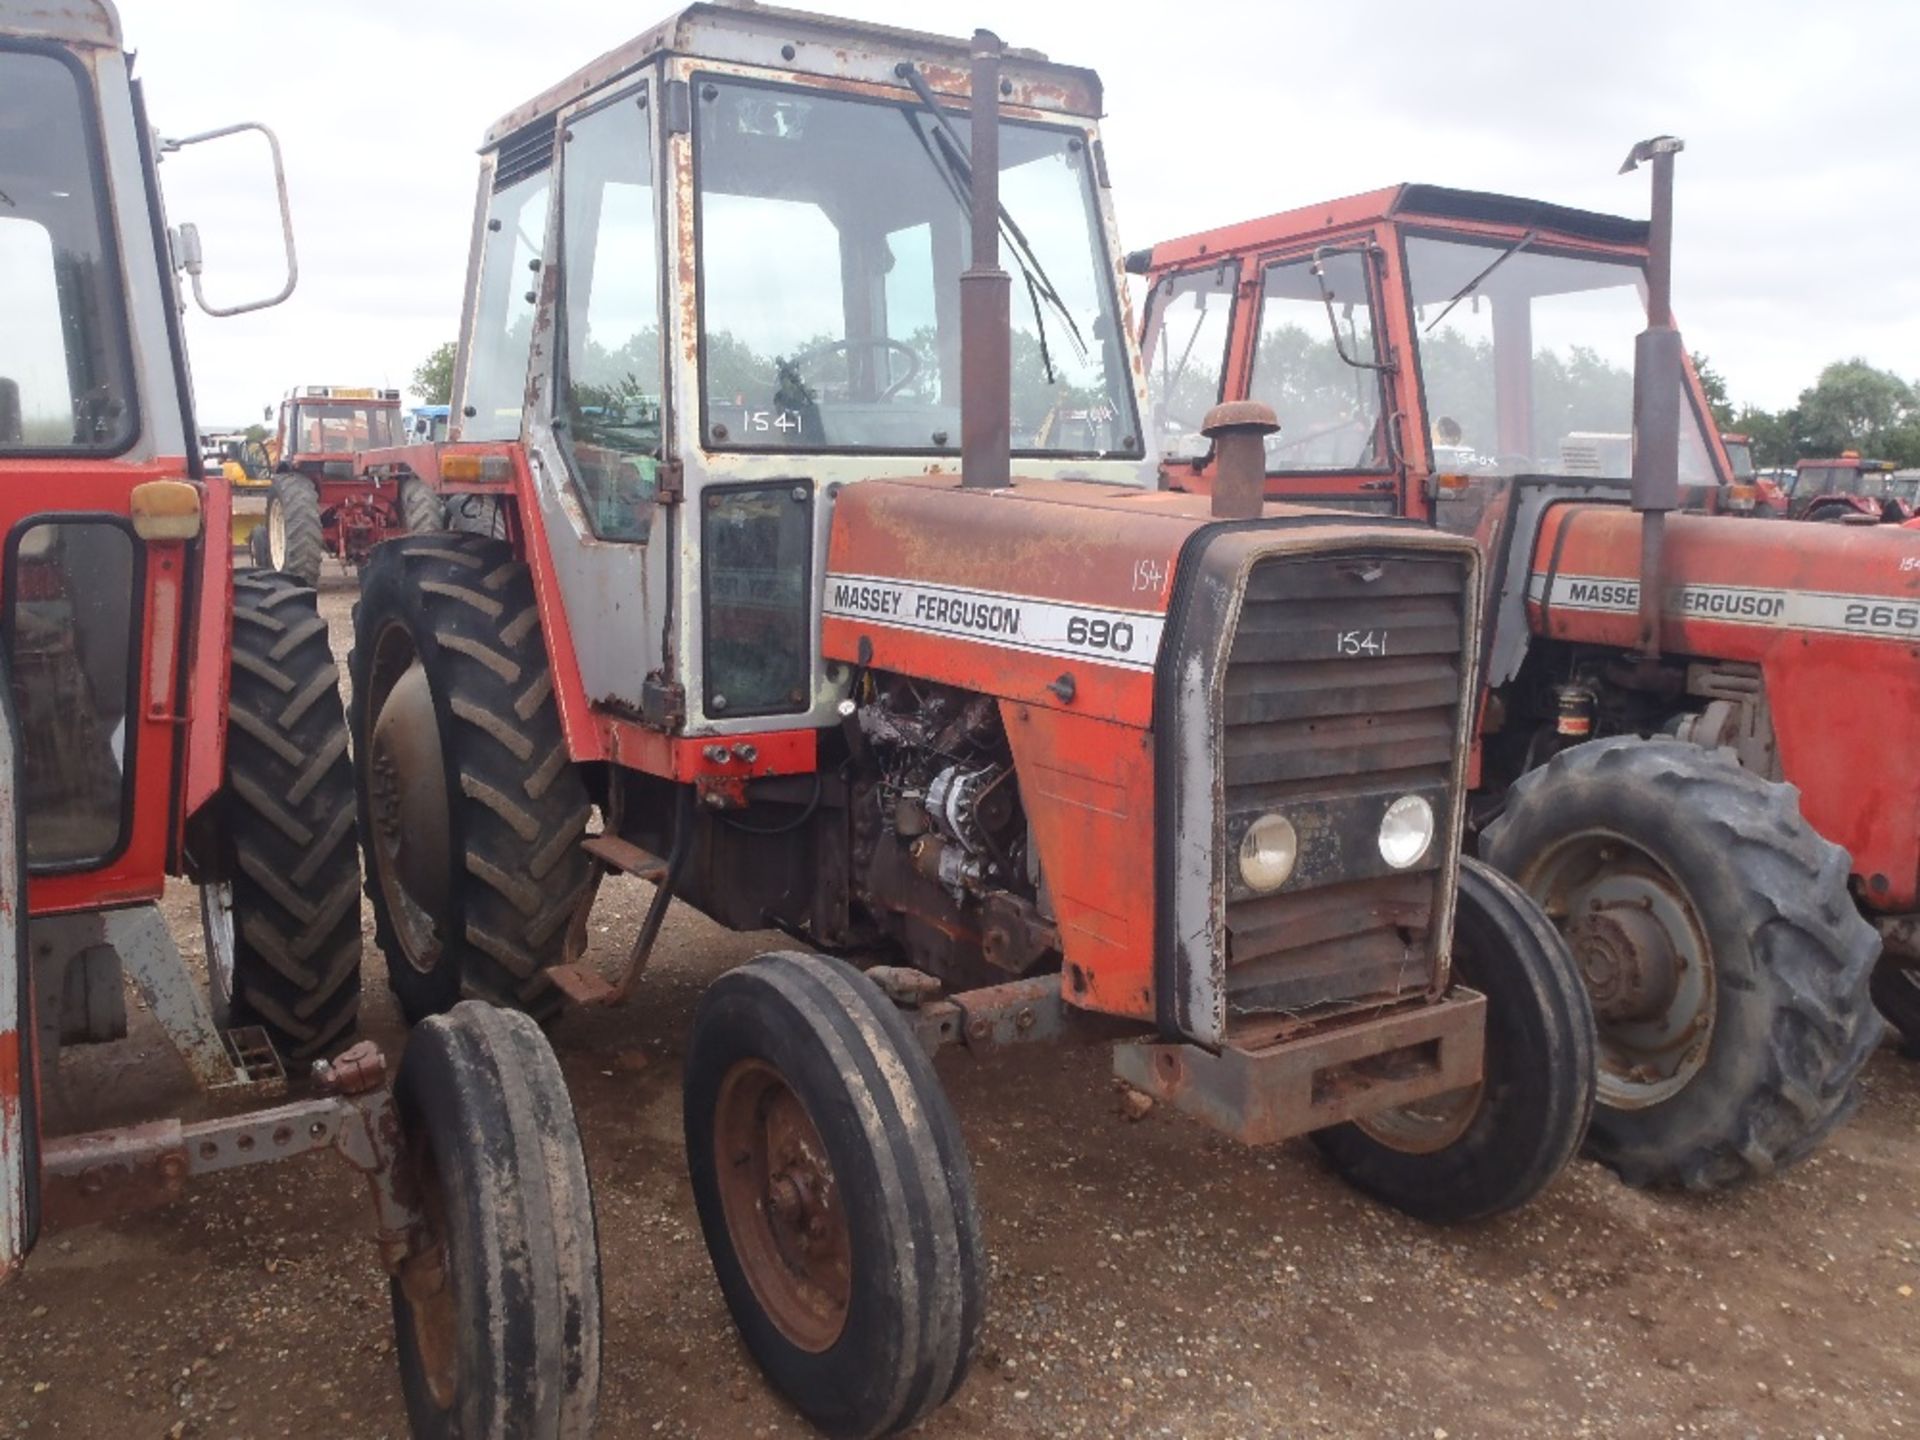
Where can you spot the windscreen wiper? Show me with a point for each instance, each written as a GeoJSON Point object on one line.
{"type": "Point", "coordinates": [1474, 284]}
{"type": "Point", "coordinates": [953, 163]}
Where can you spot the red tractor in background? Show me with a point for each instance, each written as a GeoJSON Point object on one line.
{"type": "Point", "coordinates": [321, 503]}
{"type": "Point", "coordinates": [1849, 491]}
{"type": "Point", "coordinates": [837, 583]}
{"type": "Point", "coordinates": [1696, 745]}
{"type": "Point", "coordinates": [161, 716]}
{"type": "Point", "coordinates": [1748, 492]}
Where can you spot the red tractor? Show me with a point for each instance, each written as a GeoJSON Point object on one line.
{"type": "Point", "coordinates": [1748, 492]}
{"type": "Point", "coordinates": [1849, 491]}
{"type": "Point", "coordinates": [161, 716]}
{"type": "Point", "coordinates": [322, 503]}
{"type": "Point", "coordinates": [832, 576]}
{"type": "Point", "coordinates": [1681, 715]}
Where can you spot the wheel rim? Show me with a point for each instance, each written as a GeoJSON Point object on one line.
{"type": "Point", "coordinates": [1643, 953]}
{"type": "Point", "coordinates": [276, 534]}
{"type": "Point", "coordinates": [1426, 1126]}
{"type": "Point", "coordinates": [432, 1314]}
{"type": "Point", "coordinates": [216, 923]}
{"type": "Point", "coordinates": [411, 823]}
{"type": "Point", "coordinates": [783, 1206]}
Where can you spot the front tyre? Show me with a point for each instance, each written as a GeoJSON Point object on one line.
{"type": "Point", "coordinates": [296, 539]}
{"type": "Point", "coordinates": [1491, 1148]}
{"type": "Point", "coordinates": [291, 908]}
{"type": "Point", "coordinates": [1896, 994]}
{"type": "Point", "coordinates": [1728, 967]}
{"type": "Point", "coordinates": [421, 511]}
{"type": "Point", "coordinates": [498, 1324]}
{"type": "Point", "coordinates": [834, 1192]}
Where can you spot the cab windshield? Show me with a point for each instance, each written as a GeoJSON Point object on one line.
{"type": "Point", "coordinates": [832, 232]}
{"type": "Point", "coordinates": [336, 429]}
{"type": "Point", "coordinates": [65, 384]}
{"type": "Point", "coordinates": [1739, 458]}
{"type": "Point", "coordinates": [1526, 361]}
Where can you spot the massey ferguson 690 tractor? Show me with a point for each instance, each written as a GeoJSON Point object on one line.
{"type": "Point", "coordinates": [161, 716]}
{"type": "Point", "coordinates": [1678, 707]}
{"type": "Point", "coordinates": [321, 502]}
{"type": "Point", "coordinates": [833, 577]}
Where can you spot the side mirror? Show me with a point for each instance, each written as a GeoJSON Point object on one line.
{"type": "Point", "coordinates": [187, 252]}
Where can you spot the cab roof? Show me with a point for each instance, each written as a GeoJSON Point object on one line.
{"type": "Point", "coordinates": [1407, 203]}
{"type": "Point", "coordinates": [743, 32]}
{"type": "Point", "coordinates": [73, 22]}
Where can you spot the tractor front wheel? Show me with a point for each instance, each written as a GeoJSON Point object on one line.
{"type": "Point", "coordinates": [497, 1322]}
{"type": "Point", "coordinates": [834, 1192]}
{"type": "Point", "coordinates": [1896, 994]}
{"type": "Point", "coordinates": [1491, 1148]}
{"type": "Point", "coordinates": [1728, 967]}
{"type": "Point", "coordinates": [296, 538]}
{"type": "Point", "coordinates": [284, 929]}
{"type": "Point", "coordinates": [471, 812]}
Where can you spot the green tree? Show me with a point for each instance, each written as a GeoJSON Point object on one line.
{"type": "Point", "coordinates": [433, 376]}
{"type": "Point", "coordinates": [1714, 384]}
{"type": "Point", "coordinates": [1771, 433]}
{"type": "Point", "coordinates": [1853, 406]}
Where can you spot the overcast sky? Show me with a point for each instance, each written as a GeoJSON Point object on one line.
{"type": "Point", "coordinates": [1798, 209]}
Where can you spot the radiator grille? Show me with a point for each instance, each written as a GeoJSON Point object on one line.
{"type": "Point", "coordinates": [1342, 692]}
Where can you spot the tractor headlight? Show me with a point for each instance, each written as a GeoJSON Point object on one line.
{"type": "Point", "coordinates": [1406, 831]}
{"type": "Point", "coordinates": [1268, 852]}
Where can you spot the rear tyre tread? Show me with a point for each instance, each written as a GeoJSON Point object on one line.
{"type": "Point", "coordinates": [1803, 959]}
{"type": "Point", "coordinates": [525, 851]}
{"type": "Point", "coordinates": [287, 823]}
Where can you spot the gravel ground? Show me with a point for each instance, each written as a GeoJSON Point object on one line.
{"type": "Point", "coordinates": [1148, 1278]}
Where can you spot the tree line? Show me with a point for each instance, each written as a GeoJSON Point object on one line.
{"type": "Point", "coordinates": [1851, 406]}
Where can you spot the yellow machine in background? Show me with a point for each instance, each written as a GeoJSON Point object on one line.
{"type": "Point", "coordinates": [247, 464]}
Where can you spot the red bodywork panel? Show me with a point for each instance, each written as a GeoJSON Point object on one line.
{"type": "Point", "coordinates": [1831, 614]}
{"type": "Point", "coordinates": [173, 629]}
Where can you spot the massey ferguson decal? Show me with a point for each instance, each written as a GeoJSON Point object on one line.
{"type": "Point", "coordinates": [1876, 616]}
{"type": "Point", "coordinates": [1129, 639]}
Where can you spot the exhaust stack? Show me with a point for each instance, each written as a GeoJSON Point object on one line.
{"type": "Point", "coordinates": [1659, 392]}
{"type": "Point", "coordinates": [986, 344]}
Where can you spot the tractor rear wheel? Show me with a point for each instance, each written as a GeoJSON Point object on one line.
{"type": "Point", "coordinates": [296, 539]}
{"type": "Point", "coordinates": [471, 813]}
{"type": "Point", "coordinates": [1728, 967]}
{"type": "Point", "coordinates": [833, 1188]}
{"type": "Point", "coordinates": [497, 1324]}
{"type": "Point", "coordinates": [1489, 1149]}
{"type": "Point", "coordinates": [287, 829]}
{"type": "Point", "coordinates": [421, 511]}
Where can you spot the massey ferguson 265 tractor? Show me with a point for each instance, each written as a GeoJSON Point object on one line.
{"type": "Point", "coordinates": [1658, 761]}
{"type": "Point", "coordinates": [836, 581]}
{"type": "Point", "coordinates": [161, 716]}
{"type": "Point", "coordinates": [321, 504]}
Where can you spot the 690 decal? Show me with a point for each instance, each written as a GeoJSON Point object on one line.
{"type": "Point", "coordinates": [1100, 634]}
{"type": "Point", "coordinates": [1360, 642]}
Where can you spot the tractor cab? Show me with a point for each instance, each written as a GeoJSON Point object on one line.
{"type": "Point", "coordinates": [1423, 348]}
{"type": "Point", "coordinates": [1849, 490]}
{"type": "Point", "coordinates": [322, 426]}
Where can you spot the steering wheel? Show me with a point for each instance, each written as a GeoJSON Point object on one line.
{"type": "Point", "coordinates": [873, 342]}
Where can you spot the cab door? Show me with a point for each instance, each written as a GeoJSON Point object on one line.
{"type": "Point", "coordinates": [94, 514]}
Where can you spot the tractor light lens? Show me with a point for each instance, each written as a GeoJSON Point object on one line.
{"type": "Point", "coordinates": [1406, 831]}
{"type": "Point", "coordinates": [1268, 852]}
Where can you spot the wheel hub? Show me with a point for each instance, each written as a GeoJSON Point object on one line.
{"type": "Point", "coordinates": [411, 822]}
{"type": "Point", "coordinates": [276, 535]}
{"type": "Point", "coordinates": [1627, 958]}
{"type": "Point", "coordinates": [783, 1206]}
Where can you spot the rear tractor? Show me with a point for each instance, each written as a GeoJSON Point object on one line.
{"type": "Point", "coordinates": [321, 503]}
{"type": "Point", "coordinates": [160, 716]}
{"type": "Point", "coordinates": [832, 577]}
{"type": "Point", "coordinates": [1695, 739]}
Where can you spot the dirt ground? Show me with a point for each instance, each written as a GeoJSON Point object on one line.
{"type": "Point", "coordinates": [1148, 1279]}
